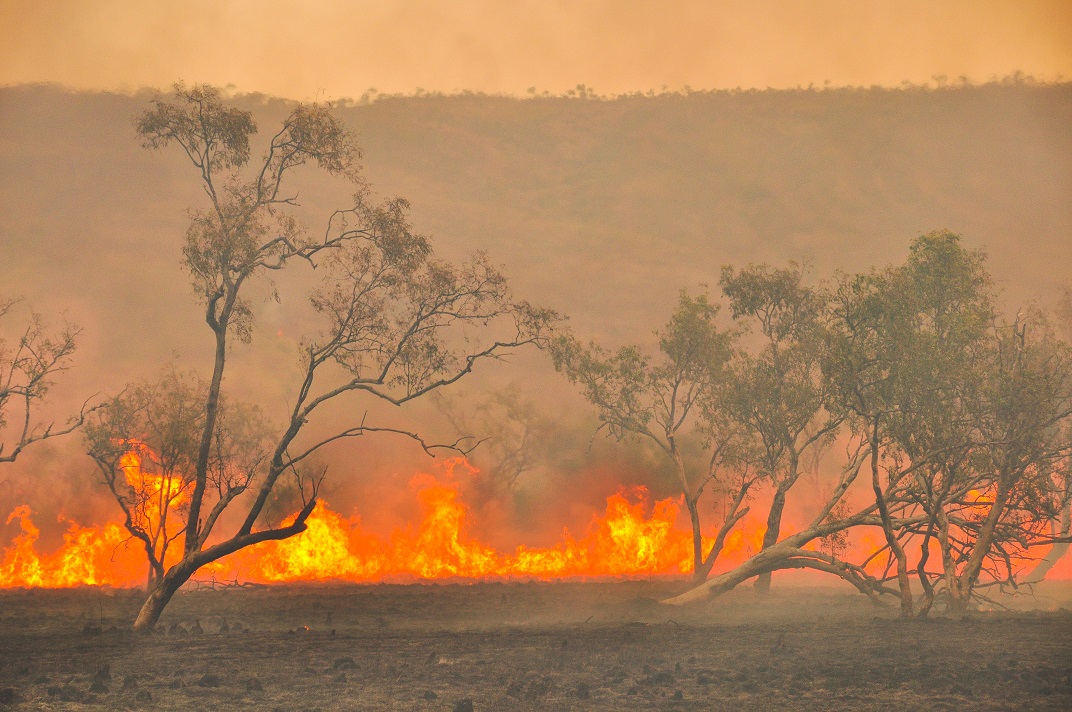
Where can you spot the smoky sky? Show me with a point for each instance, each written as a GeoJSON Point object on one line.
{"type": "Point", "coordinates": [323, 49]}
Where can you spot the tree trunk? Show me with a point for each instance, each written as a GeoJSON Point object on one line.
{"type": "Point", "coordinates": [700, 569]}
{"type": "Point", "coordinates": [212, 403]}
{"type": "Point", "coordinates": [965, 582]}
{"type": "Point", "coordinates": [903, 584]}
{"type": "Point", "coordinates": [949, 567]}
{"type": "Point", "coordinates": [770, 537]}
{"type": "Point", "coordinates": [160, 596]}
{"type": "Point", "coordinates": [758, 564]}
{"type": "Point", "coordinates": [921, 570]}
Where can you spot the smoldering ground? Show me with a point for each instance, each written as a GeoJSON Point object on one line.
{"type": "Point", "coordinates": [525, 646]}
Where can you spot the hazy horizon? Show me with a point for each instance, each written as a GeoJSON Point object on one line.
{"type": "Point", "coordinates": [331, 50]}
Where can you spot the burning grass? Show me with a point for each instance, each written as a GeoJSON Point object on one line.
{"type": "Point", "coordinates": [634, 536]}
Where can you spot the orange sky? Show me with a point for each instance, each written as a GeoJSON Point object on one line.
{"type": "Point", "coordinates": [341, 48]}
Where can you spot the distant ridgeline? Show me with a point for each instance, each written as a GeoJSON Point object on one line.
{"type": "Point", "coordinates": [642, 195]}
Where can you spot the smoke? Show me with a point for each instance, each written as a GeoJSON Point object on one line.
{"type": "Point", "coordinates": [342, 49]}
{"type": "Point", "coordinates": [603, 210]}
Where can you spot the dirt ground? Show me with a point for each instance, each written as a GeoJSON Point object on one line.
{"type": "Point", "coordinates": [547, 646]}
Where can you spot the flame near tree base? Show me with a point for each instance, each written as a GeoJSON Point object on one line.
{"type": "Point", "coordinates": [633, 537]}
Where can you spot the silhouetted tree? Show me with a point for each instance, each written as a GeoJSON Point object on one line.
{"type": "Point", "coordinates": [676, 402]}
{"type": "Point", "coordinates": [397, 323]}
{"type": "Point", "coordinates": [29, 363]}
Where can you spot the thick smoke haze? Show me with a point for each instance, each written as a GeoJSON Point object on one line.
{"type": "Point", "coordinates": [603, 210]}
{"type": "Point", "coordinates": [337, 49]}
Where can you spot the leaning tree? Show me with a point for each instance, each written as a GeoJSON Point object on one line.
{"type": "Point", "coordinates": [396, 322]}
{"type": "Point", "coordinates": [962, 420]}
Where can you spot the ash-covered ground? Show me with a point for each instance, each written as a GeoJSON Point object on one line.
{"type": "Point", "coordinates": [547, 646]}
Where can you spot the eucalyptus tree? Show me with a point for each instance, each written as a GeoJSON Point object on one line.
{"type": "Point", "coordinates": [144, 442]}
{"type": "Point", "coordinates": [942, 316]}
{"type": "Point", "coordinates": [396, 322]}
{"type": "Point", "coordinates": [782, 398]}
{"type": "Point", "coordinates": [511, 436]}
{"type": "Point", "coordinates": [963, 417]}
{"type": "Point", "coordinates": [1061, 527]}
{"type": "Point", "coordinates": [863, 364]}
{"type": "Point", "coordinates": [675, 401]}
{"type": "Point", "coordinates": [1017, 479]}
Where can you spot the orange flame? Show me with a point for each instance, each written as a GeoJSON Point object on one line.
{"type": "Point", "coordinates": [632, 537]}
{"type": "Point", "coordinates": [623, 542]}
{"type": "Point", "coordinates": [90, 556]}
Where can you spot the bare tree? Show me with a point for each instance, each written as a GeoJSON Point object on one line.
{"type": "Point", "coordinates": [675, 403]}
{"type": "Point", "coordinates": [398, 323]}
{"type": "Point", "coordinates": [29, 363]}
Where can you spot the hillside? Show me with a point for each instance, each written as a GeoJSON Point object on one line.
{"type": "Point", "coordinates": [602, 209]}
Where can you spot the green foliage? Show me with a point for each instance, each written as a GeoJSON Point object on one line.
{"type": "Point", "coordinates": [780, 394]}
{"type": "Point", "coordinates": [246, 229]}
{"type": "Point", "coordinates": [655, 397]}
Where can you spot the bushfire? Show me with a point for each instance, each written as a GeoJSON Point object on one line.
{"type": "Point", "coordinates": [632, 537]}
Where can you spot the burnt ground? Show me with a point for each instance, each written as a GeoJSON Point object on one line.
{"type": "Point", "coordinates": [556, 646]}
